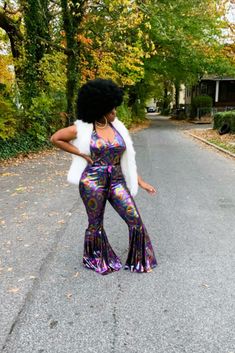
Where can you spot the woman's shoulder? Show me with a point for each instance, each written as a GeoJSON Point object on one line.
{"type": "Point", "coordinates": [73, 128]}
{"type": "Point", "coordinates": [120, 126]}
{"type": "Point", "coordinates": [82, 127]}
{"type": "Point", "coordinates": [118, 122]}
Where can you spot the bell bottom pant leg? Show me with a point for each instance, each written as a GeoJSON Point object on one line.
{"type": "Point", "coordinates": [141, 257]}
{"type": "Point", "coordinates": [98, 254]}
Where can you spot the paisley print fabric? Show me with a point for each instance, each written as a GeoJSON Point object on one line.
{"type": "Point", "coordinates": [102, 181]}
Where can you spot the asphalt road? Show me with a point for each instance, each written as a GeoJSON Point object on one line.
{"type": "Point", "coordinates": [51, 304]}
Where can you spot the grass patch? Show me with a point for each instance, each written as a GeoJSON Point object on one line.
{"type": "Point", "coordinates": [224, 145]}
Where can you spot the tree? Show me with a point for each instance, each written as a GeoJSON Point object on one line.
{"type": "Point", "coordinates": [185, 36]}
{"type": "Point", "coordinates": [73, 13]}
{"type": "Point", "coordinates": [10, 22]}
{"type": "Point", "coordinates": [36, 19]}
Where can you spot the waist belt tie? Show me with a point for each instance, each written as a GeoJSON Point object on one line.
{"type": "Point", "coordinates": [110, 167]}
{"type": "Point", "coordinates": [109, 170]}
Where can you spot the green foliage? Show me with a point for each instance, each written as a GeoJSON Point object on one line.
{"type": "Point", "coordinates": [164, 102]}
{"type": "Point", "coordinates": [114, 46]}
{"type": "Point", "coordinates": [124, 114]}
{"type": "Point", "coordinates": [224, 145]}
{"type": "Point", "coordinates": [165, 111]}
{"type": "Point", "coordinates": [202, 102]}
{"type": "Point", "coordinates": [43, 116]}
{"type": "Point", "coordinates": [186, 37]}
{"type": "Point", "coordinates": [144, 46]}
{"type": "Point", "coordinates": [225, 117]}
{"type": "Point", "coordinates": [53, 69]}
{"type": "Point", "coordinates": [21, 144]}
{"type": "Point", "coordinates": [138, 111]}
{"type": "Point", "coordinates": [8, 119]}
{"type": "Point", "coordinates": [36, 19]}
{"type": "Point", "coordinates": [37, 117]}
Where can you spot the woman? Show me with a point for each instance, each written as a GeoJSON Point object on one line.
{"type": "Point", "coordinates": [104, 168]}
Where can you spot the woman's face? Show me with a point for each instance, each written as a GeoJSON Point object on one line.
{"type": "Point", "coordinates": [111, 115]}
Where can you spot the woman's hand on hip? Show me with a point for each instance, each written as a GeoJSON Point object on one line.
{"type": "Point", "coordinates": [62, 139]}
{"type": "Point", "coordinates": [87, 158]}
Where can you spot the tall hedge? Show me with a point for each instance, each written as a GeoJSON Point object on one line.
{"type": "Point", "coordinates": [204, 103]}
{"type": "Point", "coordinates": [225, 117]}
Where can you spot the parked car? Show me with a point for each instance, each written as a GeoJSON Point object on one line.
{"type": "Point", "coordinates": [151, 109]}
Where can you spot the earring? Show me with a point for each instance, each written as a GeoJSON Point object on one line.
{"type": "Point", "coordinates": [100, 125]}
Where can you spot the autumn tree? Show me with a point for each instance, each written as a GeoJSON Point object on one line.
{"type": "Point", "coordinates": [145, 46]}
{"type": "Point", "coordinates": [185, 37]}
{"type": "Point", "coordinates": [10, 23]}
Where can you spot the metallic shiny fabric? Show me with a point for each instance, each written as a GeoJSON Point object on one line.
{"type": "Point", "coordinates": [102, 181]}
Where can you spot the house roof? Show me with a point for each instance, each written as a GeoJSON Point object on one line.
{"type": "Point", "coordinates": [217, 78]}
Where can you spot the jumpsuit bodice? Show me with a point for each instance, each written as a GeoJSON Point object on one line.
{"type": "Point", "coordinates": [106, 153]}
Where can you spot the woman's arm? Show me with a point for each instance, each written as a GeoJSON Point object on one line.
{"type": "Point", "coordinates": [62, 138]}
{"type": "Point", "coordinates": [149, 188]}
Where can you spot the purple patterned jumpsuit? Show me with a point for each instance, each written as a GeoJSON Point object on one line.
{"type": "Point", "coordinates": [101, 181]}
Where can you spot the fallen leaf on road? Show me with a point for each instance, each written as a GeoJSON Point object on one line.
{"type": "Point", "coordinates": [32, 277]}
{"type": "Point", "coordinates": [53, 213]}
{"type": "Point", "coordinates": [13, 290]}
{"type": "Point", "coordinates": [25, 215]}
{"type": "Point", "coordinates": [53, 323]}
{"type": "Point", "coordinates": [8, 174]}
{"type": "Point", "coordinates": [10, 269]}
{"type": "Point", "coordinates": [205, 285]}
{"type": "Point", "coordinates": [69, 295]}
{"type": "Point", "coordinates": [61, 221]}
{"type": "Point", "coordinates": [76, 274]}
{"type": "Point", "coordinates": [21, 189]}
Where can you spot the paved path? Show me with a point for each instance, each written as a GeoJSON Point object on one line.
{"type": "Point", "coordinates": [51, 304]}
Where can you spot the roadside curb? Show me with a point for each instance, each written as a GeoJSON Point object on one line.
{"type": "Point", "coordinates": [211, 144]}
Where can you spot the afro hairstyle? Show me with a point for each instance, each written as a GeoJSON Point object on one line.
{"type": "Point", "coordinates": [97, 98]}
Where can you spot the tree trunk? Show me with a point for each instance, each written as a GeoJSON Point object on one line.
{"type": "Point", "coordinates": [177, 94]}
{"type": "Point", "coordinates": [165, 100]}
{"type": "Point", "coordinates": [37, 34]}
{"type": "Point", "coordinates": [12, 28]}
{"type": "Point", "coordinates": [73, 12]}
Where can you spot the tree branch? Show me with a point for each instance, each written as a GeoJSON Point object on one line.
{"type": "Point", "coordinates": [56, 46]}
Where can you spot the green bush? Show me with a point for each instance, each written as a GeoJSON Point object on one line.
{"type": "Point", "coordinates": [44, 117]}
{"type": "Point", "coordinates": [165, 111]}
{"type": "Point", "coordinates": [37, 116]}
{"type": "Point", "coordinates": [165, 104]}
{"type": "Point", "coordinates": [21, 144]}
{"type": "Point", "coordinates": [8, 119]}
{"type": "Point", "coordinates": [225, 117]}
{"type": "Point", "coordinates": [124, 114]}
{"type": "Point", "coordinates": [202, 102]}
{"type": "Point", "coordinates": [138, 111]}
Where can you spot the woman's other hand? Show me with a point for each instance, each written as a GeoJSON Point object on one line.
{"type": "Point", "coordinates": [147, 187]}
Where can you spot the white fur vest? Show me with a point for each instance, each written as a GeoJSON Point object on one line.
{"type": "Point", "coordinates": [82, 142]}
